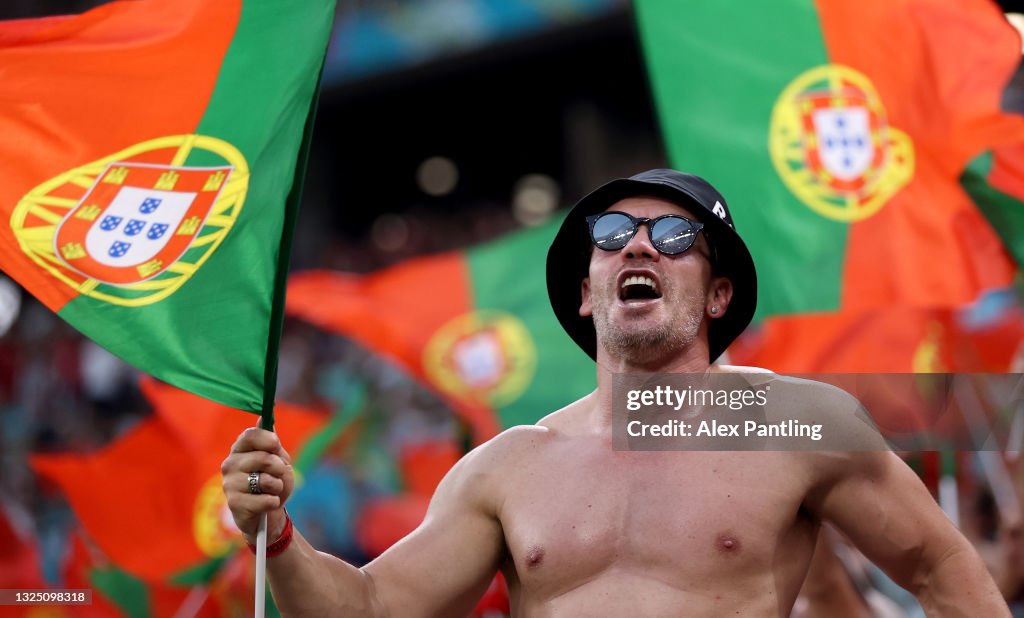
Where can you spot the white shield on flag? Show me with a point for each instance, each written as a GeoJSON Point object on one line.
{"type": "Point", "coordinates": [136, 226]}
{"type": "Point", "coordinates": [479, 359]}
{"type": "Point", "coordinates": [137, 220]}
{"type": "Point", "coordinates": [844, 141]}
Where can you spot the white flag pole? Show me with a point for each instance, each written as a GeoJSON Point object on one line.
{"type": "Point", "coordinates": [261, 567]}
{"type": "Point", "coordinates": [260, 586]}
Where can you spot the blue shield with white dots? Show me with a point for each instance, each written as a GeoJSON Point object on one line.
{"type": "Point", "coordinates": [149, 205]}
{"type": "Point", "coordinates": [118, 249]}
{"type": "Point", "coordinates": [156, 230]}
{"type": "Point", "coordinates": [133, 227]}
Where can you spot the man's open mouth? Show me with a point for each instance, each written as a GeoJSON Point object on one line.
{"type": "Point", "coordinates": [637, 288]}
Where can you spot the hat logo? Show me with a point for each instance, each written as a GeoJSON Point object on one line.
{"type": "Point", "coordinates": [719, 210]}
{"type": "Point", "coordinates": [831, 143]}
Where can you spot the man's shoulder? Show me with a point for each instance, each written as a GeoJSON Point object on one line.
{"type": "Point", "coordinates": [521, 436]}
{"type": "Point", "coordinates": [843, 419]}
{"type": "Point", "coordinates": [522, 440]}
{"type": "Point", "coordinates": [740, 369]}
{"type": "Point", "coordinates": [815, 392]}
{"type": "Point", "coordinates": [804, 384]}
{"type": "Point", "coordinates": [509, 446]}
{"type": "Point", "coordinates": [567, 417]}
{"type": "Point", "coordinates": [482, 474]}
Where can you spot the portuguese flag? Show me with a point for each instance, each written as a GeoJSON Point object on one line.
{"type": "Point", "coordinates": [901, 340]}
{"type": "Point", "coordinates": [995, 180]}
{"type": "Point", "coordinates": [150, 175]}
{"type": "Point", "coordinates": [153, 527]}
{"type": "Point", "coordinates": [118, 594]}
{"type": "Point", "coordinates": [839, 131]}
{"type": "Point", "coordinates": [474, 325]}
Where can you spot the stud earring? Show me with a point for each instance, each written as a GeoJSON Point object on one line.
{"type": "Point", "coordinates": [714, 311]}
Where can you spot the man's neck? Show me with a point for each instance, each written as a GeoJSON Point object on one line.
{"type": "Point", "coordinates": [692, 360]}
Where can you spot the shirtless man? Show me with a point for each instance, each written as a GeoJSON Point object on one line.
{"type": "Point", "coordinates": [580, 528]}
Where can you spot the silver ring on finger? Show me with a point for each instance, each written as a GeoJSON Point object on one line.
{"type": "Point", "coordinates": [254, 483]}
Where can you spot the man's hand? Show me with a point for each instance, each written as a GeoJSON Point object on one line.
{"type": "Point", "coordinates": [258, 450]}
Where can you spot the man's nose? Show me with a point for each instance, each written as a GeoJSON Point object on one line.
{"type": "Point", "coordinates": [640, 245]}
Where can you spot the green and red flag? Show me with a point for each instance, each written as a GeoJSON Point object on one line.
{"type": "Point", "coordinates": [888, 359]}
{"type": "Point", "coordinates": [839, 131]}
{"type": "Point", "coordinates": [85, 567]}
{"type": "Point", "coordinates": [20, 566]}
{"type": "Point", "coordinates": [149, 177]}
{"type": "Point", "coordinates": [903, 340]}
{"type": "Point", "coordinates": [474, 325]}
{"type": "Point", "coordinates": [117, 594]}
{"type": "Point", "coordinates": [157, 510]}
{"type": "Point", "coordinates": [995, 181]}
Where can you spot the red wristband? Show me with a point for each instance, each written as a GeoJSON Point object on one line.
{"type": "Point", "coordinates": [282, 543]}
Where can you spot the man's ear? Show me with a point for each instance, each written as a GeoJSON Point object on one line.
{"type": "Point", "coordinates": [586, 309]}
{"type": "Point", "coordinates": [719, 295]}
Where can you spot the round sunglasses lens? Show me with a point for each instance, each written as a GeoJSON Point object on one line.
{"type": "Point", "coordinates": [673, 235]}
{"type": "Point", "coordinates": [612, 231]}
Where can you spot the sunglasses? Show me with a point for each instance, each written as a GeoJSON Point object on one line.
{"type": "Point", "coordinates": [670, 234]}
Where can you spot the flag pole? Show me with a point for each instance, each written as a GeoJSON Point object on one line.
{"type": "Point", "coordinates": [259, 610]}
{"type": "Point", "coordinates": [260, 583]}
{"type": "Point", "coordinates": [276, 327]}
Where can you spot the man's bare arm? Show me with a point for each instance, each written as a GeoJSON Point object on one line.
{"type": "Point", "coordinates": [881, 505]}
{"type": "Point", "coordinates": [442, 568]}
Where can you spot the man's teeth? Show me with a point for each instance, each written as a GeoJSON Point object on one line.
{"type": "Point", "coordinates": [637, 280]}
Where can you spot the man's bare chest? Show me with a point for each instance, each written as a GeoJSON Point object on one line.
{"type": "Point", "coordinates": [677, 515]}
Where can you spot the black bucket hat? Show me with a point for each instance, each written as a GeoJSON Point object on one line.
{"type": "Point", "coordinates": [569, 256]}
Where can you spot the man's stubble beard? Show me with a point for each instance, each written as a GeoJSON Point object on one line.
{"type": "Point", "coordinates": [641, 342]}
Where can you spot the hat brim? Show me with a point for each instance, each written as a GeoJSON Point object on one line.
{"type": "Point", "coordinates": [568, 263]}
